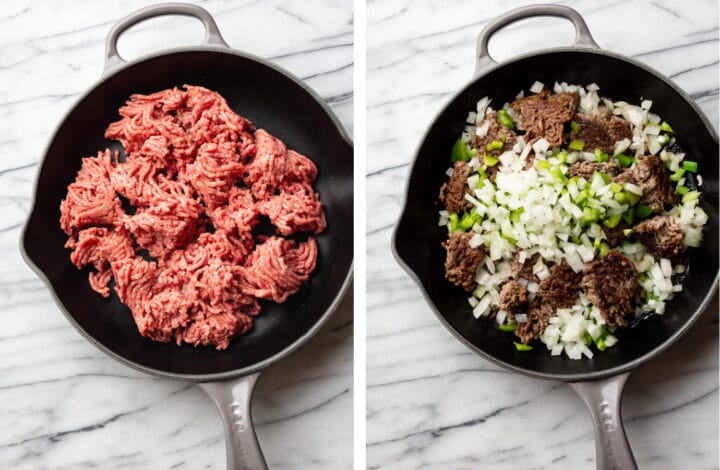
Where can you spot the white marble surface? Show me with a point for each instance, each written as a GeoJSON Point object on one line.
{"type": "Point", "coordinates": [431, 403]}
{"type": "Point", "coordinates": [63, 404]}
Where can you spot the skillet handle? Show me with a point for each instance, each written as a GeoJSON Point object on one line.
{"type": "Point", "coordinates": [583, 38]}
{"type": "Point", "coordinates": [604, 400]}
{"type": "Point", "coordinates": [233, 398]}
{"type": "Point", "coordinates": [212, 33]}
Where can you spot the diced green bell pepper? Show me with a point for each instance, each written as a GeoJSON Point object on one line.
{"type": "Point", "coordinates": [576, 145]}
{"type": "Point", "coordinates": [690, 166]}
{"type": "Point", "coordinates": [601, 156]}
{"type": "Point", "coordinates": [666, 127]}
{"type": "Point", "coordinates": [460, 152]}
{"type": "Point", "coordinates": [642, 211]}
{"type": "Point", "coordinates": [507, 327]}
{"type": "Point", "coordinates": [504, 119]}
{"type": "Point", "coordinates": [522, 347]}
{"type": "Point", "coordinates": [624, 160]}
{"type": "Point", "coordinates": [682, 190]}
{"type": "Point", "coordinates": [590, 215]}
{"type": "Point", "coordinates": [490, 161]}
{"type": "Point", "coordinates": [495, 145]}
{"type": "Point", "coordinates": [678, 174]}
{"type": "Point", "coordinates": [612, 221]}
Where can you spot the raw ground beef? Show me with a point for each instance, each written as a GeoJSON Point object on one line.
{"type": "Point", "coordinates": [195, 179]}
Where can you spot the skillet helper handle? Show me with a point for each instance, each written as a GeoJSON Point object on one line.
{"type": "Point", "coordinates": [233, 398]}
{"type": "Point", "coordinates": [604, 399]}
{"type": "Point", "coordinates": [212, 33]}
{"type": "Point", "coordinates": [583, 38]}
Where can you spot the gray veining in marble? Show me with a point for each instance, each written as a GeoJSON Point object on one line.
{"type": "Point", "coordinates": [431, 403]}
{"type": "Point", "coordinates": [63, 404]}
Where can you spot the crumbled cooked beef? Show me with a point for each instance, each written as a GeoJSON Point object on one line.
{"type": "Point", "coordinates": [452, 193]}
{"type": "Point", "coordinates": [610, 283]}
{"type": "Point", "coordinates": [495, 132]}
{"type": "Point", "coordinates": [538, 317]}
{"type": "Point", "coordinates": [560, 289]}
{"type": "Point", "coordinates": [524, 270]}
{"type": "Point", "coordinates": [661, 236]}
{"type": "Point", "coordinates": [586, 169]}
{"type": "Point", "coordinates": [462, 261]}
{"type": "Point", "coordinates": [544, 114]}
{"type": "Point", "coordinates": [600, 131]}
{"type": "Point", "coordinates": [513, 297]}
{"type": "Point", "coordinates": [615, 235]}
{"type": "Point", "coordinates": [652, 176]}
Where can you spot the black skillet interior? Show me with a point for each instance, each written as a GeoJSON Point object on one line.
{"type": "Point", "coordinates": [272, 101]}
{"type": "Point", "coordinates": [418, 237]}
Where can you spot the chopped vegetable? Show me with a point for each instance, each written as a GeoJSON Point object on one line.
{"type": "Point", "coordinates": [690, 166]}
{"type": "Point", "coordinates": [678, 174]}
{"type": "Point", "coordinates": [504, 119]}
{"type": "Point", "coordinates": [601, 156]}
{"type": "Point", "coordinates": [624, 160]}
{"type": "Point", "coordinates": [454, 223]}
{"type": "Point", "coordinates": [590, 215]}
{"type": "Point", "coordinates": [611, 222]}
{"type": "Point", "coordinates": [682, 190]}
{"type": "Point", "coordinates": [627, 232]}
{"type": "Point", "coordinates": [507, 327]}
{"type": "Point", "coordinates": [576, 145]}
{"type": "Point", "coordinates": [604, 248]}
{"type": "Point", "coordinates": [522, 347]}
{"type": "Point", "coordinates": [543, 164]}
{"type": "Point", "coordinates": [558, 174]}
{"type": "Point", "coordinates": [460, 152]}
{"type": "Point", "coordinates": [642, 211]}
{"type": "Point", "coordinates": [490, 161]}
{"type": "Point", "coordinates": [663, 139]}
{"type": "Point", "coordinates": [690, 196]}
{"type": "Point", "coordinates": [666, 127]}
{"type": "Point", "coordinates": [495, 145]}
{"type": "Point", "coordinates": [575, 126]}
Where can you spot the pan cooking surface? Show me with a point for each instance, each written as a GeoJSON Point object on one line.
{"type": "Point", "coordinates": [272, 101]}
{"type": "Point", "coordinates": [417, 238]}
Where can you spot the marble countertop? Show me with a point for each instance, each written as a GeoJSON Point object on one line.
{"type": "Point", "coordinates": [431, 402]}
{"type": "Point", "coordinates": [63, 404]}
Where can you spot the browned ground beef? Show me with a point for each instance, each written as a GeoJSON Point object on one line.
{"type": "Point", "coordinates": [586, 169]}
{"type": "Point", "coordinates": [513, 297]}
{"type": "Point", "coordinates": [600, 131]}
{"type": "Point", "coordinates": [524, 270]}
{"type": "Point", "coordinates": [610, 283]}
{"type": "Point", "coordinates": [560, 289]}
{"type": "Point", "coordinates": [615, 235]}
{"type": "Point", "coordinates": [544, 114]}
{"type": "Point", "coordinates": [661, 236]}
{"type": "Point", "coordinates": [495, 132]}
{"type": "Point", "coordinates": [462, 261]}
{"type": "Point", "coordinates": [652, 176]}
{"type": "Point", "coordinates": [538, 317]}
{"type": "Point", "coordinates": [452, 193]}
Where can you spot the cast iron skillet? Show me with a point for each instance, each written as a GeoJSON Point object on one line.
{"type": "Point", "coordinates": [417, 237]}
{"type": "Point", "coordinates": [273, 99]}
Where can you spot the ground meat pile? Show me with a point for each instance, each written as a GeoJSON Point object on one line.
{"type": "Point", "coordinates": [170, 225]}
